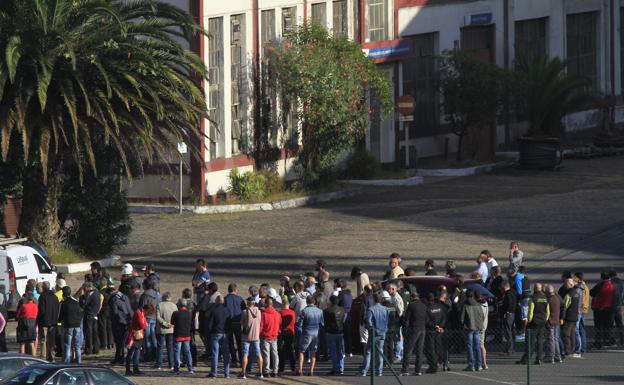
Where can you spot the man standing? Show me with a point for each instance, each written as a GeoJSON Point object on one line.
{"type": "Point", "coordinates": [482, 267]}
{"type": "Point", "coordinates": [376, 321]}
{"type": "Point", "coordinates": [287, 344]}
{"type": "Point", "coordinates": [149, 271]}
{"type": "Point", "coordinates": [602, 305]}
{"type": "Point", "coordinates": [269, 331]}
{"type": "Point", "coordinates": [618, 305]}
{"type": "Point", "coordinates": [489, 260]}
{"type": "Point", "coordinates": [436, 322]}
{"type": "Point", "coordinates": [414, 324]}
{"type": "Point", "coordinates": [71, 317]}
{"type": "Point", "coordinates": [182, 321]}
{"type": "Point", "coordinates": [310, 321]}
{"type": "Point", "coordinates": [47, 318]}
{"type": "Point", "coordinates": [345, 299]}
{"type": "Point", "coordinates": [515, 256]}
{"type": "Point", "coordinates": [580, 336]}
{"type": "Point", "coordinates": [361, 280]}
{"type": "Point", "coordinates": [200, 278]}
{"type": "Point", "coordinates": [395, 266]}
{"type": "Point", "coordinates": [539, 314]}
{"type": "Point", "coordinates": [472, 320]}
{"type": "Point", "coordinates": [571, 301]}
{"type": "Point", "coordinates": [91, 305]}
{"type": "Point", "coordinates": [553, 351]}
{"type": "Point", "coordinates": [218, 324]}
{"type": "Point", "coordinates": [334, 317]}
{"type": "Point", "coordinates": [164, 312]}
{"type": "Point", "coordinates": [121, 316]}
{"type": "Point", "coordinates": [152, 297]}
{"type": "Point", "coordinates": [398, 302]}
{"type": "Point", "coordinates": [235, 304]}
{"type": "Point", "coordinates": [507, 312]}
{"type": "Point", "coordinates": [251, 319]}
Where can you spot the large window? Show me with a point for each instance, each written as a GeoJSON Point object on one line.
{"type": "Point", "coordinates": [340, 25]}
{"type": "Point", "coordinates": [376, 20]}
{"type": "Point", "coordinates": [268, 96]}
{"type": "Point", "coordinates": [319, 13]}
{"type": "Point", "coordinates": [215, 87]}
{"type": "Point", "coordinates": [478, 41]}
{"type": "Point", "coordinates": [530, 38]}
{"type": "Point", "coordinates": [419, 81]}
{"type": "Point", "coordinates": [288, 20]}
{"type": "Point", "coordinates": [582, 44]}
{"type": "Point", "coordinates": [238, 62]}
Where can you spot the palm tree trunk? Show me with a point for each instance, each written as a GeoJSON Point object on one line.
{"type": "Point", "coordinates": [39, 220]}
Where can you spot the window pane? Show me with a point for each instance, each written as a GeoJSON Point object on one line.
{"type": "Point", "coordinates": [105, 377]}
{"type": "Point", "coordinates": [215, 87]}
{"type": "Point", "coordinates": [72, 377]}
{"type": "Point", "coordinates": [9, 367]}
{"type": "Point", "coordinates": [237, 70]}
{"type": "Point", "coordinates": [530, 38]}
{"type": "Point", "coordinates": [288, 20]}
{"type": "Point", "coordinates": [377, 14]}
{"type": "Point", "coordinates": [582, 50]}
{"type": "Point", "coordinates": [341, 18]}
{"type": "Point", "coordinates": [42, 265]}
{"type": "Point", "coordinates": [319, 13]}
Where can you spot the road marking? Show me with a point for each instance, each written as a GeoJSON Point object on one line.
{"type": "Point", "coordinates": [163, 253]}
{"type": "Point", "coordinates": [483, 378]}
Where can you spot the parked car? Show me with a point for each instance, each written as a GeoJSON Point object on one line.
{"type": "Point", "coordinates": [57, 374]}
{"type": "Point", "coordinates": [13, 363]}
{"type": "Point", "coordinates": [21, 260]}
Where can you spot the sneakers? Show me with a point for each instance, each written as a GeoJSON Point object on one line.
{"type": "Point", "coordinates": [469, 369]}
{"type": "Point", "coordinates": [577, 355]}
{"type": "Point", "coordinates": [242, 376]}
{"type": "Point", "coordinates": [405, 374]}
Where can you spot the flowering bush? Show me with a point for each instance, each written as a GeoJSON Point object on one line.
{"type": "Point", "coordinates": [326, 78]}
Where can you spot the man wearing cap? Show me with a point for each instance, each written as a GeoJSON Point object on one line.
{"type": "Point", "coordinates": [128, 281]}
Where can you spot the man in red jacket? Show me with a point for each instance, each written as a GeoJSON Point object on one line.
{"type": "Point", "coordinates": [602, 305]}
{"type": "Point", "coordinates": [270, 325]}
{"type": "Point", "coordinates": [287, 350]}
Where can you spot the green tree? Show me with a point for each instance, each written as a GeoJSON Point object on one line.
{"type": "Point", "coordinates": [324, 79]}
{"type": "Point", "coordinates": [472, 94]}
{"type": "Point", "coordinates": [74, 73]}
{"type": "Point", "coordinates": [545, 92]}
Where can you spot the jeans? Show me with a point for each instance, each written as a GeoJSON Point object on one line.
{"type": "Point", "coordinates": [414, 342]}
{"type": "Point", "coordinates": [553, 352]}
{"type": "Point", "coordinates": [186, 346]}
{"type": "Point", "coordinates": [348, 344]}
{"type": "Point", "coordinates": [580, 336]}
{"type": "Point", "coordinates": [219, 344]}
{"type": "Point", "coordinates": [133, 356]}
{"type": "Point", "coordinates": [72, 337]}
{"type": "Point", "coordinates": [474, 345]}
{"type": "Point", "coordinates": [269, 355]}
{"type": "Point", "coordinates": [379, 348]}
{"type": "Point", "coordinates": [335, 343]}
{"type": "Point", "coordinates": [162, 339]}
{"type": "Point", "coordinates": [92, 345]}
{"type": "Point", "coordinates": [151, 342]}
{"type": "Point", "coordinates": [398, 345]}
{"type": "Point", "coordinates": [287, 352]}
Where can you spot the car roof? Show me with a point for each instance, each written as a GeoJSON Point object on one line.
{"type": "Point", "coordinates": [18, 355]}
{"type": "Point", "coordinates": [51, 366]}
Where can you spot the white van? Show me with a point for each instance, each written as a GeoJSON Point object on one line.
{"type": "Point", "coordinates": [20, 261]}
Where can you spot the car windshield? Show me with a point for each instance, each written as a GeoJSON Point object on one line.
{"type": "Point", "coordinates": [28, 375]}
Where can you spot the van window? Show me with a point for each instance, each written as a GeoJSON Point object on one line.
{"type": "Point", "coordinates": [42, 265]}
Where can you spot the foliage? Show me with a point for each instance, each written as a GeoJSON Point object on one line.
{"type": "Point", "coordinates": [94, 215]}
{"type": "Point", "coordinates": [76, 72]}
{"type": "Point", "coordinates": [66, 255]}
{"type": "Point", "coordinates": [254, 185]}
{"type": "Point", "coordinates": [362, 164]}
{"type": "Point", "coordinates": [472, 91]}
{"type": "Point", "coordinates": [545, 92]}
{"type": "Point", "coordinates": [324, 78]}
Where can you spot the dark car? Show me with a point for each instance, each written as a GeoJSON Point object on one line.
{"type": "Point", "coordinates": [13, 363]}
{"type": "Point", "coordinates": [55, 374]}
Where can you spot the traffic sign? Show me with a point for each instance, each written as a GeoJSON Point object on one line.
{"type": "Point", "coordinates": [182, 148]}
{"type": "Point", "coordinates": [406, 105]}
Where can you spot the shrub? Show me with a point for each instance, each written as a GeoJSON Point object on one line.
{"type": "Point", "coordinates": [362, 165]}
{"type": "Point", "coordinates": [254, 185]}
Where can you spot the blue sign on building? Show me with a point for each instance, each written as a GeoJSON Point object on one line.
{"type": "Point", "coordinates": [479, 19]}
{"type": "Point", "coordinates": [400, 49]}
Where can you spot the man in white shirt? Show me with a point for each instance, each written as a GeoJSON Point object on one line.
{"type": "Point", "coordinates": [489, 260]}
{"type": "Point", "coordinates": [482, 267]}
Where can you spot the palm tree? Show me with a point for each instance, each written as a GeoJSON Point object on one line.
{"type": "Point", "coordinates": [76, 73]}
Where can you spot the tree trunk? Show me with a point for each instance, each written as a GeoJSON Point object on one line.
{"type": "Point", "coordinates": [39, 220]}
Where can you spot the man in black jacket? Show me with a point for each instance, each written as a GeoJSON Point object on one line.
{"type": "Point", "coordinates": [414, 323]}
{"type": "Point", "coordinates": [539, 313]}
{"type": "Point", "coordinates": [120, 316]}
{"type": "Point", "coordinates": [91, 302]}
{"type": "Point", "coordinates": [218, 324]}
{"type": "Point", "coordinates": [571, 300]}
{"type": "Point", "coordinates": [334, 317]}
{"type": "Point", "coordinates": [47, 318]}
{"type": "Point", "coordinates": [507, 314]}
{"type": "Point", "coordinates": [70, 317]}
{"type": "Point", "coordinates": [435, 324]}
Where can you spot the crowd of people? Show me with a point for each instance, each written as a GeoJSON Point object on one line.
{"type": "Point", "coordinates": [315, 316]}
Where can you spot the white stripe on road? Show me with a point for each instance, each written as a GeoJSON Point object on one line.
{"type": "Point", "coordinates": [482, 378]}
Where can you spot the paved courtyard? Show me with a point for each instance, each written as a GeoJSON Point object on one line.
{"type": "Point", "coordinates": [576, 214]}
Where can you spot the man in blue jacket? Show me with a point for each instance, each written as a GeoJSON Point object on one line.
{"type": "Point", "coordinates": [377, 320]}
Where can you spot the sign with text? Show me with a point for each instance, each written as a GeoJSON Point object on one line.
{"type": "Point", "coordinates": [182, 148]}
{"type": "Point", "coordinates": [479, 19]}
{"type": "Point", "coordinates": [405, 104]}
{"type": "Point", "coordinates": [388, 50]}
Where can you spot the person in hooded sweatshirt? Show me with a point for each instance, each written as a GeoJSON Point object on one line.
{"type": "Point", "coordinates": [150, 296]}
{"type": "Point", "coordinates": [250, 321]}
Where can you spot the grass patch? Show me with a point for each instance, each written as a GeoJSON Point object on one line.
{"type": "Point", "coordinates": [66, 255]}
{"type": "Point", "coordinates": [285, 195]}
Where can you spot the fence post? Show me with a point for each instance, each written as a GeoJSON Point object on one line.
{"type": "Point", "coordinates": [529, 354]}
{"type": "Point", "coordinates": [373, 354]}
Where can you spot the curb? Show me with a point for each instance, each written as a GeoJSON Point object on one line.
{"type": "Point", "coordinates": [69, 268]}
{"type": "Point", "coordinates": [412, 181]}
{"type": "Point", "coordinates": [228, 209]}
{"type": "Point", "coordinates": [468, 171]}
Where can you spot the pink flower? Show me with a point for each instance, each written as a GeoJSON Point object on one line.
{"type": "Point", "coordinates": [310, 46]}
